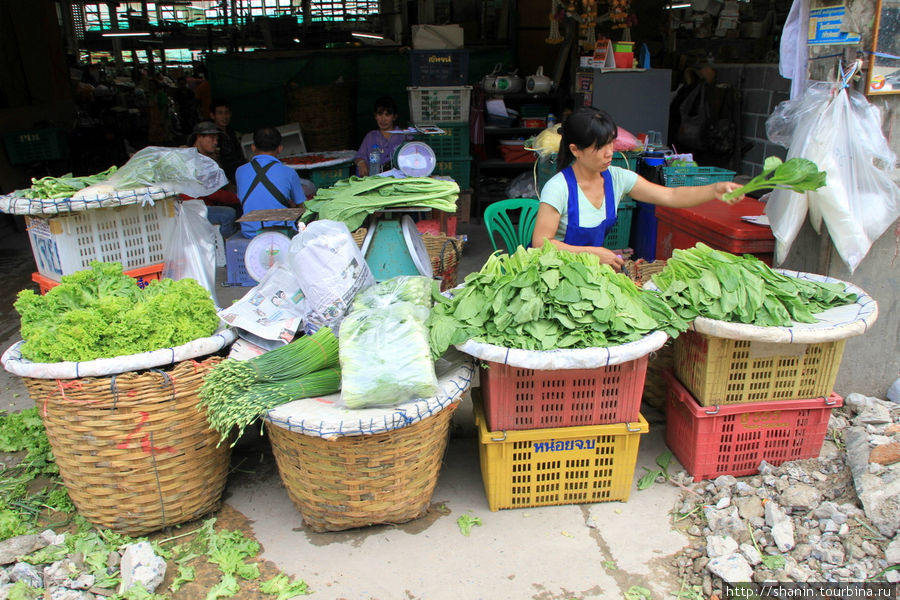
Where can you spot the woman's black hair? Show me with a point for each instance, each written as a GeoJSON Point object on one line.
{"type": "Point", "coordinates": [385, 104]}
{"type": "Point", "coordinates": [586, 127]}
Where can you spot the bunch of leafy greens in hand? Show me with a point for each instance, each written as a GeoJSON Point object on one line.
{"type": "Point", "coordinates": [797, 174]}
{"type": "Point", "coordinates": [704, 282]}
{"type": "Point", "coordinates": [544, 299]}
{"type": "Point", "coordinates": [101, 313]}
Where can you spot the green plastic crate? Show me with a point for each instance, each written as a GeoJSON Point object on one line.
{"type": "Point", "coordinates": [35, 145]}
{"type": "Point", "coordinates": [626, 160]}
{"type": "Point", "coordinates": [620, 234]}
{"type": "Point", "coordinates": [454, 142]}
{"type": "Point", "coordinates": [683, 176]}
{"type": "Point", "coordinates": [327, 176]}
{"type": "Point", "coordinates": [458, 169]}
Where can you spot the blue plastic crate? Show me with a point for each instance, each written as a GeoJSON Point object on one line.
{"type": "Point", "coordinates": [438, 67]}
{"type": "Point", "coordinates": [235, 269]}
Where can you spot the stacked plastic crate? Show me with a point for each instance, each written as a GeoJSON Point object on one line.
{"type": "Point", "coordinates": [562, 436]}
{"type": "Point", "coordinates": [438, 95]}
{"type": "Point", "coordinates": [130, 234]}
{"type": "Point", "coordinates": [734, 403]}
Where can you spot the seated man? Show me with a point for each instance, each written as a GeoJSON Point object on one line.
{"type": "Point", "coordinates": [265, 183]}
{"type": "Point", "coordinates": [205, 139]}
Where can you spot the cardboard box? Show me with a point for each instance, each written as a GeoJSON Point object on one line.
{"type": "Point", "coordinates": [437, 37]}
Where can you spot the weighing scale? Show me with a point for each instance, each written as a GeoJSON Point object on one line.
{"type": "Point", "coordinates": [393, 245]}
{"type": "Point", "coordinates": [263, 251]}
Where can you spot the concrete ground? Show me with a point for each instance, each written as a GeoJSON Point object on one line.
{"type": "Point", "coordinates": [588, 551]}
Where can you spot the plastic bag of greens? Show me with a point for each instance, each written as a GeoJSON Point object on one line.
{"type": "Point", "coordinates": [385, 356]}
{"type": "Point", "coordinates": [403, 288]}
{"type": "Point", "coordinates": [181, 170]}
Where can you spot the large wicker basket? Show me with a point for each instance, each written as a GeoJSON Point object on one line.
{"type": "Point", "coordinates": [133, 450]}
{"type": "Point", "coordinates": [362, 480]}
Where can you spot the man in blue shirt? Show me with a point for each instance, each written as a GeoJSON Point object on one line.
{"type": "Point", "coordinates": [265, 183]}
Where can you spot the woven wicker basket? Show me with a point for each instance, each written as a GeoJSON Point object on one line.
{"type": "Point", "coordinates": [640, 271]}
{"type": "Point", "coordinates": [444, 252]}
{"type": "Point", "coordinates": [133, 450]}
{"type": "Point", "coordinates": [362, 480]}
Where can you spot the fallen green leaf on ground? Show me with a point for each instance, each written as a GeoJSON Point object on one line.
{"type": "Point", "coordinates": [637, 592]}
{"type": "Point", "coordinates": [282, 587]}
{"type": "Point", "coordinates": [466, 522]}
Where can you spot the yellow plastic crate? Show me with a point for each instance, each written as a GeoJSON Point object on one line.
{"type": "Point", "coordinates": [725, 371]}
{"type": "Point", "coordinates": [559, 465]}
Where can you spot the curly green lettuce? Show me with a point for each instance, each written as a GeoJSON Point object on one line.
{"type": "Point", "coordinates": [101, 313]}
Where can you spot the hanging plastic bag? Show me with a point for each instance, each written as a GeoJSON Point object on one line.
{"type": "Point", "coordinates": [192, 251]}
{"type": "Point", "coordinates": [330, 269]}
{"type": "Point", "coordinates": [180, 170]}
{"type": "Point", "coordinates": [694, 117]}
{"type": "Point", "coordinates": [859, 200]}
{"type": "Point", "coordinates": [794, 120]}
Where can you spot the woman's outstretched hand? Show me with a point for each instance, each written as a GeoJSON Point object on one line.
{"type": "Point", "coordinates": [723, 187]}
{"type": "Point", "coordinates": [608, 257]}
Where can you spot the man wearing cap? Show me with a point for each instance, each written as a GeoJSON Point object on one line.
{"type": "Point", "coordinates": [265, 183]}
{"type": "Point", "coordinates": [221, 205]}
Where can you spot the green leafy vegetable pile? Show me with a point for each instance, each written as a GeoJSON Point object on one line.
{"type": "Point", "coordinates": [237, 392]}
{"type": "Point", "coordinates": [61, 187]}
{"type": "Point", "coordinates": [545, 298]}
{"type": "Point", "coordinates": [352, 200]}
{"type": "Point", "coordinates": [701, 281]}
{"type": "Point", "coordinates": [102, 313]}
{"type": "Point", "coordinates": [797, 174]}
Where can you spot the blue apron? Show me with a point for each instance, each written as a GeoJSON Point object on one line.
{"type": "Point", "coordinates": [588, 236]}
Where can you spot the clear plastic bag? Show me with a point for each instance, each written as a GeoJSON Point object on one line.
{"type": "Point", "coordinates": [403, 288]}
{"type": "Point", "coordinates": [192, 251]}
{"type": "Point", "coordinates": [840, 131]}
{"type": "Point", "coordinates": [331, 270]}
{"type": "Point", "coordinates": [385, 356]}
{"type": "Point", "coordinates": [182, 170]}
{"type": "Point", "coordinates": [522, 186]}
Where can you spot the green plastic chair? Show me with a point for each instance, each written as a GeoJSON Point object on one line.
{"type": "Point", "coordinates": [497, 221]}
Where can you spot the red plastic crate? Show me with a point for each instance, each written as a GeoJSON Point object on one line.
{"type": "Point", "coordinates": [516, 398]}
{"type": "Point", "coordinates": [143, 275]}
{"type": "Point", "coordinates": [734, 439]}
{"type": "Point", "coordinates": [717, 225]}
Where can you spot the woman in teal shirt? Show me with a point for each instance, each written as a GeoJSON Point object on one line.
{"type": "Point", "coordinates": [578, 204]}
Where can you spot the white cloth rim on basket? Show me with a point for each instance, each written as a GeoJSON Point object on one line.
{"type": "Point", "coordinates": [14, 362]}
{"type": "Point", "coordinates": [836, 323]}
{"type": "Point", "coordinates": [566, 358]}
{"type": "Point", "coordinates": [323, 417]}
{"type": "Point", "coordinates": [64, 206]}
